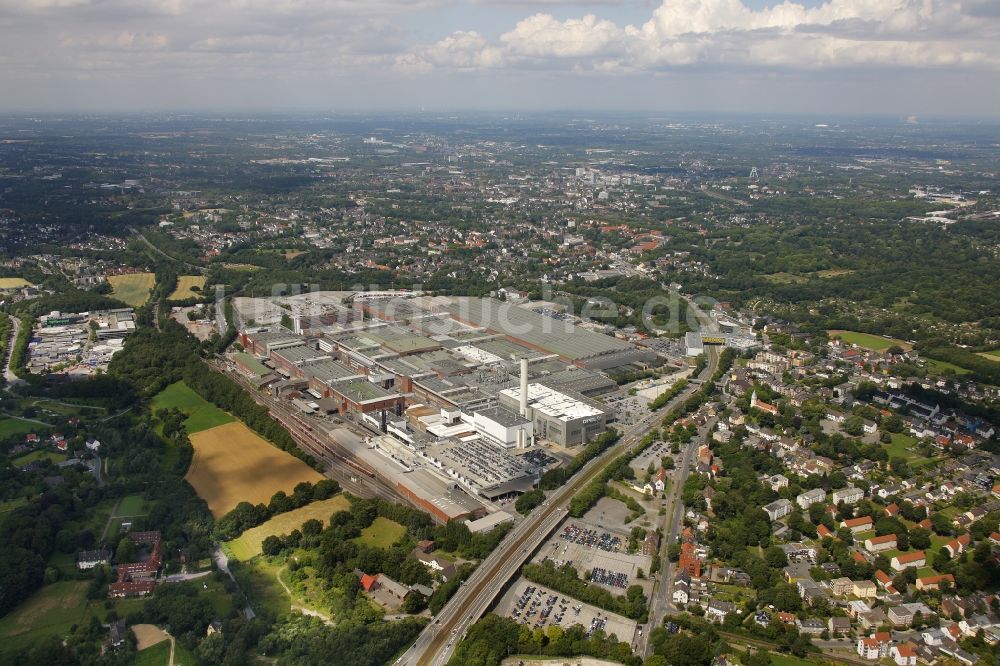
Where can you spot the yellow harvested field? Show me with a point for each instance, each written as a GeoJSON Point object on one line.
{"type": "Point", "coordinates": [233, 464]}
{"type": "Point", "coordinates": [133, 288]}
{"type": "Point", "coordinates": [13, 283]}
{"type": "Point", "coordinates": [184, 287]}
{"type": "Point", "coordinates": [248, 544]}
{"type": "Point", "coordinates": [148, 635]}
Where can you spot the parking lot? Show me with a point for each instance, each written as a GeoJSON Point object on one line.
{"type": "Point", "coordinates": [597, 553]}
{"type": "Point", "coordinates": [651, 455]}
{"type": "Point", "coordinates": [539, 607]}
{"type": "Point", "coordinates": [629, 410]}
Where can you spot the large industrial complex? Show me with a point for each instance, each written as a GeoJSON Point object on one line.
{"type": "Point", "coordinates": [462, 396]}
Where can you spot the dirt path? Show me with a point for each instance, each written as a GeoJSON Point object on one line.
{"type": "Point", "coordinates": [299, 607]}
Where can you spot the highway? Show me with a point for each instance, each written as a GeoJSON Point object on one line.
{"type": "Point", "coordinates": [437, 642]}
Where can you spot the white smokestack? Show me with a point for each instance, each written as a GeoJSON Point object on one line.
{"type": "Point", "coordinates": [524, 387]}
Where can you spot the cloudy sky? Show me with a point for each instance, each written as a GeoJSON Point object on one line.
{"type": "Point", "coordinates": [904, 57]}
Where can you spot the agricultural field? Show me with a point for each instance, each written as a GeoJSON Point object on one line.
{"type": "Point", "coordinates": [248, 544]}
{"type": "Point", "coordinates": [201, 414]}
{"type": "Point", "coordinates": [233, 464]}
{"type": "Point", "coordinates": [14, 426]}
{"type": "Point", "coordinates": [869, 341]}
{"type": "Point", "coordinates": [382, 533]}
{"type": "Point", "coordinates": [13, 283]}
{"type": "Point", "coordinates": [184, 289]}
{"type": "Point", "coordinates": [132, 289]}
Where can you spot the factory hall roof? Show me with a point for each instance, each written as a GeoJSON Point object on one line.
{"type": "Point", "coordinates": [555, 336]}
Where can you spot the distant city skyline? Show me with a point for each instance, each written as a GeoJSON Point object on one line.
{"type": "Point", "coordinates": [841, 57]}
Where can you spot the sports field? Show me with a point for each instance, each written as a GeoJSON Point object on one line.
{"type": "Point", "coordinates": [869, 341]}
{"type": "Point", "coordinates": [13, 283]}
{"type": "Point", "coordinates": [133, 288]}
{"type": "Point", "coordinates": [233, 464]}
{"type": "Point", "coordinates": [247, 545]}
{"type": "Point", "coordinates": [184, 287]}
{"type": "Point", "coordinates": [201, 414]}
{"type": "Point", "coordinates": [993, 355]}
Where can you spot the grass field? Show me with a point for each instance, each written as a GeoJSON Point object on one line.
{"type": "Point", "coordinates": [131, 505]}
{"type": "Point", "coordinates": [993, 355]}
{"type": "Point", "coordinates": [38, 455]}
{"type": "Point", "coordinates": [233, 464]}
{"type": "Point", "coordinates": [900, 446]}
{"type": "Point", "coordinates": [52, 610]}
{"type": "Point", "coordinates": [157, 655]}
{"type": "Point", "coordinates": [247, 545]}
{"type": "Point", "coordinates": [382, 533]}
{"type": "Point", "coordinates": [13, 426]}
{"type": "Point", "coordinates": [13, 283]}
{"type": "Point", "coordinates": [201, 414]}
{"type": "Point", "coordinates": [868, 341]}
{"type": "Point", "coordinates": [785, 278]}
{"type": "Point", "coordinates": [259, 581]}
{"type": "Point", "coordinates": [133, 288]}
{"type": "Point", "coordinates": [945, 368]}
{"type": "Point", "coordinates": [184, 290]}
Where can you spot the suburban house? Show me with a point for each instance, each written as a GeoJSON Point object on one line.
{"type": "Point", "coordinates": [839, 626]}
{"type": "Point", "coordinates": [862, 524]}
{"type": "Point", "coordinates": [718, 610]}
{"type": "Point", "coordinates": [880, 543]}
{"type": "Point", "coordinates": [934, 582]}
{"type": "Point", "coordinates": [903, 655]}
{"type": "Point", "coordinates": [958, 545]}
{"type": "Point", "coordinates": [907, 560]}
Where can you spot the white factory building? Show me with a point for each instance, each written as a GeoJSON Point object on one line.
{"type": "Point", "coordinates": [556, 416]}
{"type": "Point", "coordinates": [504, 427]}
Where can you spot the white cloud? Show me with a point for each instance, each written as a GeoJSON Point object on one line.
{"type": "Point", "coordinates": [838, 33]}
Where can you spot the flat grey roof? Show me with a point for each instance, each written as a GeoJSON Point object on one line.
{"type": "Point", "coordinates": [553, 335]}
{"type": "Point", "coordinates": [503, 416]}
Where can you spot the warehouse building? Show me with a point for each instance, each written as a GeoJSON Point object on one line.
{"type": "Point", "coordinates": [585, 349]}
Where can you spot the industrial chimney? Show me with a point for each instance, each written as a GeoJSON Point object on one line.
{"type": "Point", "coordinates": [524, 387]}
